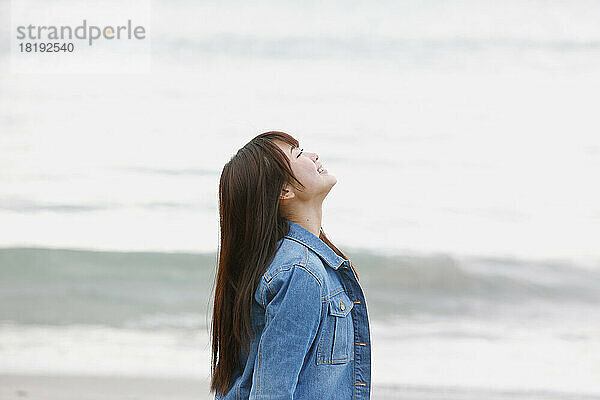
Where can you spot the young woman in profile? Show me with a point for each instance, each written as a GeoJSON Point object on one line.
{"type": "Point", "coordinates": [290, 318]}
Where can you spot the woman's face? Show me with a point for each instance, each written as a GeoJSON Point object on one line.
{"type": "Point", "coordinates": [306, 167]}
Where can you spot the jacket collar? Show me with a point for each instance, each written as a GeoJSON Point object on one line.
{"type": "Point", "coordinates": [310, 240]}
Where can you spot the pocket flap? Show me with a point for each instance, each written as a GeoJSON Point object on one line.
{"type": "Point", "coordinates": [340, 306]}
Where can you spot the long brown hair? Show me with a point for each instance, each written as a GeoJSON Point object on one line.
{"type": "Point", "coordinates": [251, 224]}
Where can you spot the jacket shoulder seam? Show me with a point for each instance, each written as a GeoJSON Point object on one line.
{"type": "Point", "coordinates": [288, 267]}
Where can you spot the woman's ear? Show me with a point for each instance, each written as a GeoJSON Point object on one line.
{"type": "Point", "coordinates": [286, 193]}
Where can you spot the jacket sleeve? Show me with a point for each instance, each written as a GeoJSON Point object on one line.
{"type": "Point", "coordinates": [293, 313]}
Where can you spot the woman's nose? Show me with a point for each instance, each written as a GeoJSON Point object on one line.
{"type": "Point", "coordinates": [315, 157]}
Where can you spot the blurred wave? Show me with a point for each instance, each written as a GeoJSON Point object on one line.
{"type": "Point", "coordinates": [152, 289]}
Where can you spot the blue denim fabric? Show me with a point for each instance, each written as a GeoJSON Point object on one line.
{"type": "Point", "coordinates": [312, 339]}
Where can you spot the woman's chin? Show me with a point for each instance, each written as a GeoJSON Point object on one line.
{"type": "Point", "coordinates": [331, 179]}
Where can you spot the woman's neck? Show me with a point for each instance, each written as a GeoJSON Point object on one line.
{"type": "Point", "coordinates": [309, 218]}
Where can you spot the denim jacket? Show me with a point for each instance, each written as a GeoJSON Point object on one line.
{"type": "Point", "coordinates": [312, 339]}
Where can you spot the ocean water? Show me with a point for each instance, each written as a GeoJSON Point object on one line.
{"type": "Point", "coordinates": [464, 137]}
{"type": "Point", "coordinates": [465, 127]}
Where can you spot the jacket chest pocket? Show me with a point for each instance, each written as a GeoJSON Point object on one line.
{"type": "Point", "coordinates": [336, 344]}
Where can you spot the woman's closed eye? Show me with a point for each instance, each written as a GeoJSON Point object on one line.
{"type": "Point", "coordinates": [301, 150]}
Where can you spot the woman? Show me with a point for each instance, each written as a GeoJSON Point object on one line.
{"type": "Point", "coordinates": [290, 319]}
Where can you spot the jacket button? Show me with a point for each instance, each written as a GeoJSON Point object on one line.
{"type": "Point", "coordinates": [342, 305]}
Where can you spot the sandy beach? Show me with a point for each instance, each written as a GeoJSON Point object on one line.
{"type": "Point", "coordinates": [46, 387]}
{"type": "Point", "coordinates": [69, 387]}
